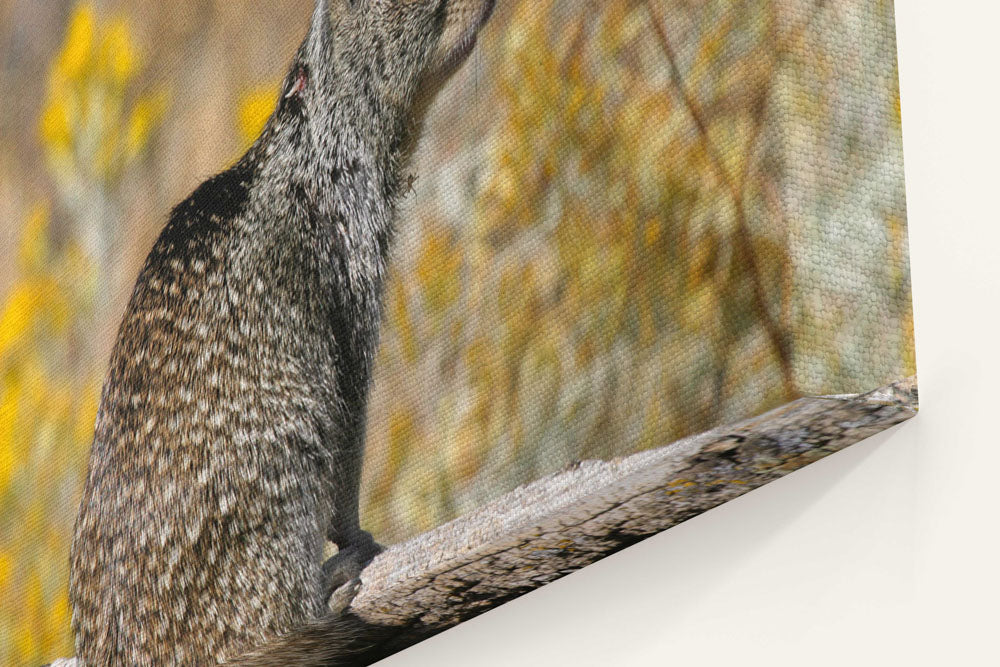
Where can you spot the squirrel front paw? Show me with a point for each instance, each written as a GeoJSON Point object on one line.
{"type": "Point", "coordinates": [342, 571]}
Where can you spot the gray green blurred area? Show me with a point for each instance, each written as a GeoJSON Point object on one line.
{"type": "Point", "coordinates": [628, 222]}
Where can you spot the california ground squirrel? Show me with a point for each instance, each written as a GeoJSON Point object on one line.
{"type": "Point", "coordinates": [230, 432]}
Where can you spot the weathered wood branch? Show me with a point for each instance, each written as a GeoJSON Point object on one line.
{"type": "Point", "coordinates": [558, 524]}
{"type": "Point", "coordinates": [563, 522]}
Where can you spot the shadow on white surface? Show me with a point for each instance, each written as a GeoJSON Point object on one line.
{"type": "Point", "coordinates": [715, 581]}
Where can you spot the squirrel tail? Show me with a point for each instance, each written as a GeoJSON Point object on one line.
{"type": "Point", "coordinates": [341, 640]}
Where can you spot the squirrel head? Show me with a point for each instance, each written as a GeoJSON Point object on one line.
{"type": "Point", "coordinates": [366, 74]}
{"type": "Point", "coordinates": [392, 50]}
{"type": "Point", "coordinates": [460, 27]}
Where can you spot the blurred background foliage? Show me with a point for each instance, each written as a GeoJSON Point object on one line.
{"type": "Point", "coordinates": [629, 221]}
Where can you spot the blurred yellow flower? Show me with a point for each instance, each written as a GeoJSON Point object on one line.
{"type": "Point", "coordinates": [60, 615]}
{"type": "Point", "coordinates": [86, 124]}
{"type": "Point", "coordinates": [6, 565]}
{"type": "Point", "coordinates": [55, 124]}
{"type": "Point", "coordinates": [9, 401]}
{"type": "Point", "coordinates": [652, 231]}
{"type": "Point", "coordinates": [255, 108]}
{"type": "Point", "coordinates": [33, 250]}
{"type": "Point", "coordinates": [116, 56]}
{"type": "Point", "coordinates": [79, 43]}
{"type": "Point", "coordinates": [145, 116]}
{"type": "Point", "coordinates": [91, 132]}
{"type": "Point", "coordinates": [46, 422]}
{"type": "Point", "coordinates": [17, 315]}
{"type": "Point", "coordinates": [438, 269]}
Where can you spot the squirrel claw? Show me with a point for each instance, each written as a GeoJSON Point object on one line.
{"type": "Point", "coordinates": [342, 596]}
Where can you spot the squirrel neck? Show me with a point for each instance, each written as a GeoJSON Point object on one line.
{"type": "Point", "coordinates": [325, 175]}
{"type": "Point", "coordinates": [341, 158]}
{"type": "Point", "coordinates": [339, 138]}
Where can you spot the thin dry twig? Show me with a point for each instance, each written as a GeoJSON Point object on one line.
{"type": "Point", "coordinates": [780, 341]}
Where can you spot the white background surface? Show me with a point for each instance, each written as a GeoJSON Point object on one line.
{"type": "Point", "coordinates": [885, 554]}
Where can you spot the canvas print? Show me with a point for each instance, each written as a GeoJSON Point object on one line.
{"type": "Point", "coordinates": [326, 325]}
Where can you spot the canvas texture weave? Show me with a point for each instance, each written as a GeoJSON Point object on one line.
{"type": "Point", "coordinates": [624, 223]}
